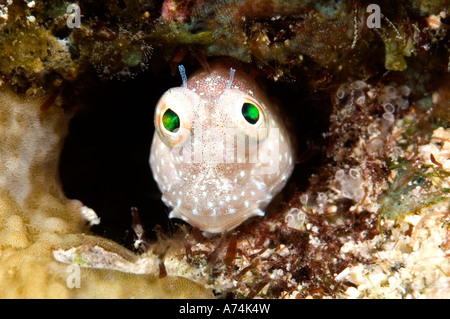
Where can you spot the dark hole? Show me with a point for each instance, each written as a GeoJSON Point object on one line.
{"type": "Point", "coordinates": [62, 32]}
{"type": "Point", "coordinates": [104, 162]}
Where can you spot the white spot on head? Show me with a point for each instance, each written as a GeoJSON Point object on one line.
{"type": "Point", "coordinates": [260, 185]}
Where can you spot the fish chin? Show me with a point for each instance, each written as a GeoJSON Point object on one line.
{"type": "Point", "coordinates": [216, 224]}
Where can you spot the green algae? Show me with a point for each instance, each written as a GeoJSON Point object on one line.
{"type": "Point", "coordinates": [411, 190]}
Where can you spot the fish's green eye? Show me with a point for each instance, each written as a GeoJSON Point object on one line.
{"type": "Point", "coordinates": [250, 112]}
{"type": "Point", "coordinates": [171, 121]}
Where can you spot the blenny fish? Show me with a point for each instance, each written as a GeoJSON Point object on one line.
{"type": "Point", "coordinates": [221, 151]}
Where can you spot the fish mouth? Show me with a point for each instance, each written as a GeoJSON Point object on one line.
{"type": "Point", "coordinates": [216, 224]}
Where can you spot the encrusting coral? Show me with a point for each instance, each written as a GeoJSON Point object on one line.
{"type": "Point", "coordinates": [37, 219]}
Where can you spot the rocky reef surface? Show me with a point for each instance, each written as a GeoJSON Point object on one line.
{"type": "Point", "coordinates": [367, 89]}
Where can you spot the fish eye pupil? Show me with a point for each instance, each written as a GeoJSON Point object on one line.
{"type": "Point", "coordinates": [171, 121]}
{"type": "Point", "coordinates": [250, 113]}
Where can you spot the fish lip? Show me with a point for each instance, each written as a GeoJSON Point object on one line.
{"type": "Point", "coordinates": [216, 224]}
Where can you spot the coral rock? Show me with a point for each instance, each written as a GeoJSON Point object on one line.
{"type": "Point", "coordinates": [37, 219]}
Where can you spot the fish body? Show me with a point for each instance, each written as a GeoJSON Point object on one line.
{"type": "Point", "coordinates": [221, 151]}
